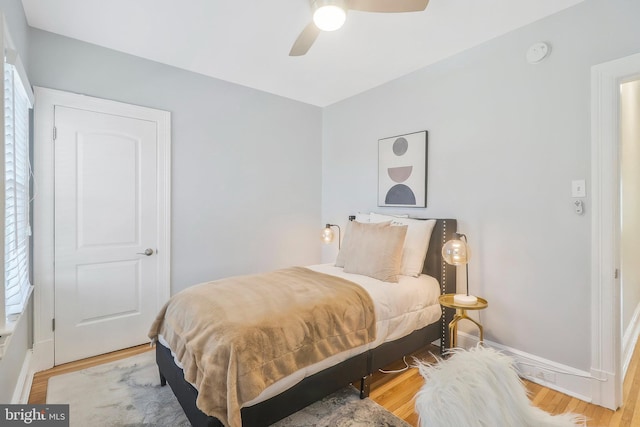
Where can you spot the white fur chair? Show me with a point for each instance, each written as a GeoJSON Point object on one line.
{"type": "Point", "coordinates": [480, 387]}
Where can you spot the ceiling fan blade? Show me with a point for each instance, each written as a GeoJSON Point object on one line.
{"type": "Point", "coordinates": [305, 40]}
{"type": "Point", "coordinates": [388, 6]}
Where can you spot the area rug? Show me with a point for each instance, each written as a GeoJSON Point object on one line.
{"type": "Point", "coordinates": [128, 393]}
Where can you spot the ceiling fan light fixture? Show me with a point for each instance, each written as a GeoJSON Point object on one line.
{"type": "Point", "coordinates": [329, 15]}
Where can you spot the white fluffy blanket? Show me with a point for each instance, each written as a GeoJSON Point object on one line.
{"type": "Point", "coordinates": [480, 387]}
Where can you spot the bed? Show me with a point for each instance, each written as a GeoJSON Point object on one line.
{"type": "Point", "coordinates": [396, 335]}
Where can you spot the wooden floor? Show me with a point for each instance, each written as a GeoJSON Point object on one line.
{"type": "Point", "coordinates": [395, 391]}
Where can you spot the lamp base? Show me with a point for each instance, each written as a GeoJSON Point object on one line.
{"type": "Point", "coordinates": [465, 299]}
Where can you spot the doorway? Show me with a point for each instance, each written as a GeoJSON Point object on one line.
{"type": "Point", "coordinates": [101, 217]}
{"type": "Point", "coordinates": [629, 217]}
{"type": "Point", "coordinates": [606, 312]}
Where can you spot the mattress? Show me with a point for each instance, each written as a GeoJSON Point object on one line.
{"type": "Point", "coordinates": [400, 308]}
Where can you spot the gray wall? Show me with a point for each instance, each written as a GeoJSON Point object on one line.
{"type": "Point", "coordinates": [246, 166]}
{"type": "Point", "coordinates": [506, 139]}
{"type": "Point", "coordinates": [20, 343]}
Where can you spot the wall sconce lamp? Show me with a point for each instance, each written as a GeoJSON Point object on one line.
{"type": "Point", "coordinates": [327, 234]}
{"type": "Point", "coordinates": [456, 252]}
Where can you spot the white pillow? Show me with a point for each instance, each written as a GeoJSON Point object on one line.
{"type": "Point", "coordinates": [387, 215]}
{"type": "Point", "coordinates": [363, 217]}
{"type": "Point", "coordinates": [416, 242]}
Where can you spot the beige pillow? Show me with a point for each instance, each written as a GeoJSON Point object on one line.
{"type": "Point", "coordinates": [416, 243]}
{"type": "Point", "coordinates": [351, 233]}
{"type": "Point", "coordinates": [377, 253]}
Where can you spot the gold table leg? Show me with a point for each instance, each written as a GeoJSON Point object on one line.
{"type": "Point", "coordinates": [461, 314]}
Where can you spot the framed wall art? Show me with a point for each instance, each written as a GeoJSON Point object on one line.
{"type": "Point", "coordinates": [402, 170]}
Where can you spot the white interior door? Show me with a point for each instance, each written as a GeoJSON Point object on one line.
{"type": "Point", "coordinates": [106, 217]}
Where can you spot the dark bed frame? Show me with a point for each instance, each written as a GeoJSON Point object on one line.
{"type": "Point", "coordinates": [355, 369]}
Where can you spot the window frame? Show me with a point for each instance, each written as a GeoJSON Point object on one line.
{"type": "Point", "coordinates": [21, 84]}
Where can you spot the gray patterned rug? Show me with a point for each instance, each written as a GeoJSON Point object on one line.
{"type": "Point", "coordinates": [128, 393]}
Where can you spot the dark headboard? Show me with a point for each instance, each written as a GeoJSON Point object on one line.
{"type": "Point", "coordinates": [434, 265]}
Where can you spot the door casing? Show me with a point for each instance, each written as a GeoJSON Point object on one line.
{"type": "Point", "coordinates": [606, 329]}
{"type": "Point", "coordinates": [43, 205]}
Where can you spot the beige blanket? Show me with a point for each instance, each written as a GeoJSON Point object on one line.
{"type": "Point", "coordinates": [236, 336]}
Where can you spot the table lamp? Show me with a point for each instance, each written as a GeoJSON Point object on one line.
{"type": "Point", "coordinates": [456, 252]}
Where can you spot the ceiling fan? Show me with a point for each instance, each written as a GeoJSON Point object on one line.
{"type": "Point", "coordinates": [329, 15]}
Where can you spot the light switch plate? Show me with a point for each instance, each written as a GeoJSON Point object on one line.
{"type": "Point", "coordinates": [578, 188]}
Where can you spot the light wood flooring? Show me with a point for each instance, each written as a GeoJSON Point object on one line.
{"type": "Point", "coordinates": [395, 391]}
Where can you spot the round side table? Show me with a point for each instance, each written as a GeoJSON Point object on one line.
{"type": "Point", "coordinates": [446, 300]}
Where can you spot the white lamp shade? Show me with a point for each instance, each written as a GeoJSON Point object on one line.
{"type": "Point", "coordinates": [456, 252]}
{"type": "Point", "coordinates": [329, 17]}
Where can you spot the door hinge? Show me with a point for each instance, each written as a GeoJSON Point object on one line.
{"type": "Point", "coordinates": [53, 324]}
{"type": "Point", "coordinates": [615, 274]}
{"type": "Point", "coordinates": [55, 133]}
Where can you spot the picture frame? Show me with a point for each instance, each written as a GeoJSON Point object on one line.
{"type": "Point", "coordinates": [402, 170]}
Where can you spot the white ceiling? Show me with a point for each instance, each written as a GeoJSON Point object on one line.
{"type": "Point", "coordinates": [248, 41]}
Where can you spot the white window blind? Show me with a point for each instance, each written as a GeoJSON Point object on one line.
{"type": "Point", "coordinates": [16, 200]}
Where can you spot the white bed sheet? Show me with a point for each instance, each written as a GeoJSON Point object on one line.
{"type": "Point", "coordinates": [400, 308]}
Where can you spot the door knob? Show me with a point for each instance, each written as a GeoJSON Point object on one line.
{"type": "Point", "coordinates": [147, 252]}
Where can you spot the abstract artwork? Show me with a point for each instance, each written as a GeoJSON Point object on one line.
{"type": "Point", "coordinates": [402, 170]}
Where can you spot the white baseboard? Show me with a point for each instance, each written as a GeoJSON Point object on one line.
{"type": "Point", "coordinates": [43, 355]}
{"type": "Point", "coordinates": [553, 375]}
{"type": "Point", "coordinates": [25, 379]}
{"type": "Point", "coordinates": [629, 339]}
